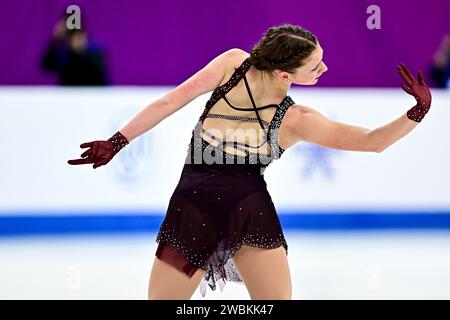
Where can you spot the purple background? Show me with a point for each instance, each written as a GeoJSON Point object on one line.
{"type": "Point", "coordinates": [165, 42]}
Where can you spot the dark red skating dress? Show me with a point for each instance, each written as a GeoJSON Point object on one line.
{"type": "Point", "coordinates": [221, 201]}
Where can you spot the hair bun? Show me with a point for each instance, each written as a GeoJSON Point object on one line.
{"type": "Point", "coordinates": [257, 59]}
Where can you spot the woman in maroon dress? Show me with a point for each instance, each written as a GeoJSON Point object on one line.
{"type": "Point", "coordinates": [221, 224]}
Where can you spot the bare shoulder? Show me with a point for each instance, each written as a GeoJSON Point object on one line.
{"type": "Point", "coordinates": [294, 114]}
{"type": "Point", "coordinates": [234, 58]}
{"type": "Point", "coordinates": [208, 78]}
{"type": "Point", "coordinates": [299, 123]}
{"type": "Point", "coordinates": [299, 115]}
{"type": "Point", "coordinates": [238, 55]}
{"type": "Point", "coordinates": [293, 119]}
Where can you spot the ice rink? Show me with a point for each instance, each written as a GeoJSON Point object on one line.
{"type": "Point", "coordinates": [324, 265]}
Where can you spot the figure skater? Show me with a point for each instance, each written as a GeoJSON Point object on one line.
{"type": "Point", "coordinates": [221, 224]}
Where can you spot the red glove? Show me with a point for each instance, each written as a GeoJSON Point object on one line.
{"type": "Point", "coordinates": [101, 152]}
{"type": "Point", "coordinates": [419, 90]}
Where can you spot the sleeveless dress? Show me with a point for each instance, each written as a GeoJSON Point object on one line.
{"type": "Point", "coordinates": [221, 201]}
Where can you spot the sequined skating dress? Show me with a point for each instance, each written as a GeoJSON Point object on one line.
{"type": "Point", "coordinates": [221, 201]}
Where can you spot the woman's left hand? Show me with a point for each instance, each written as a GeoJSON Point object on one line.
{"type": "Point", "coordinates": [417, 88]}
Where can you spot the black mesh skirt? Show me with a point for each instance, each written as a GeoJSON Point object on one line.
{"type": "Point", "coordinates": [213, 211]}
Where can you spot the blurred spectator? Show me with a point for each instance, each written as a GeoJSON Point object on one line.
{"type": "Point", "coordinates": [75, 60]}
{"type": "Point", "coordinates": [440, 69]}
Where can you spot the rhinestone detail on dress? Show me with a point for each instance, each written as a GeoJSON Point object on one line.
{"type": "Point", "coordinates": [199, 147]}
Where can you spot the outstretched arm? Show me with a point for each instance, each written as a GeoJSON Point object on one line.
{"type": "Point", "coordinates": [311, 126]}
{"type": "Point", "coordinates": [307, 124]}
{"type": "Point", "coordinates": [205, 80]}
{"type": "Point", "coordinates": [100, 152]}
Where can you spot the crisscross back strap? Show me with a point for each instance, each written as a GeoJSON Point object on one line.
{"type": "Point", "coordinates": [269, 128]}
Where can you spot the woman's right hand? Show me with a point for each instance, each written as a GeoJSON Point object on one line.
{"type": "Point", "coordinates": [100, 152]}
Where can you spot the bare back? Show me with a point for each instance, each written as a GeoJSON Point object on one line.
{"type": "Point", "coordinates": [245, 112]}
